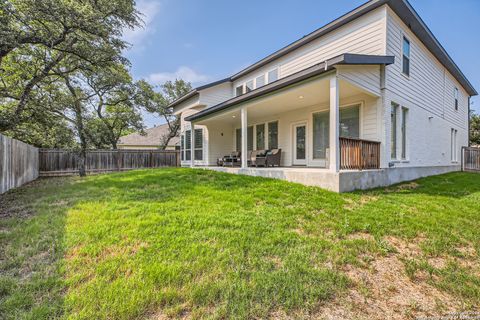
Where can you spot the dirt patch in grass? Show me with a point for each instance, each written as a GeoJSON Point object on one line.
{"type": "Point", "coordinates": [384, 291]}
{"type": "Point", "coordinates": [12, 205]}
{"type": "Point", "coordinates": [353, 204]}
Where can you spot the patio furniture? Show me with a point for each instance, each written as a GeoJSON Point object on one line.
{"type": "Point", "coordinates": [271, 158]}
{"type": "Point", "coordinates": [232, 160]}
{"type": "Point", "coordinates": [255, 154]}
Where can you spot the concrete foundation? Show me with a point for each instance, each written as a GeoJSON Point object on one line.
{"type": "Point", "coordinates": [344, 181]}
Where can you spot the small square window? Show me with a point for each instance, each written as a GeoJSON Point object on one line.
{"type": "Point", "coordinates": [260, 81]}
{"type": "Point", "coordinates": [273, 75]}
{"type": "Point", "coordinates": [249, 86]}
{"type": "Point", "coordinates": [239, 90]}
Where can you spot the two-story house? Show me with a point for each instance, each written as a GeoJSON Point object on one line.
{"type": "Point", "coordinates": [368, 100]}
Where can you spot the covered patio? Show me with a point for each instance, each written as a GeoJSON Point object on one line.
{"type": "Point", "coordinates": [325, 120]}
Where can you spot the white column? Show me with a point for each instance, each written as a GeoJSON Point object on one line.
{"type": "Point", "coordinates": [334, 125]}
{"type": "Point", "coordinates": [244, 137]}
{"type": "Point", "coordinates": [192, 145]}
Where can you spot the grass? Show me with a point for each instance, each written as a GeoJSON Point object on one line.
{"type": "Point", "coordinates": [183, 242]}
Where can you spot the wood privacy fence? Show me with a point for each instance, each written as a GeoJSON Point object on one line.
{"type": "Point", "coordinates": [64, 162]}
{"type": "Point", "coordinates": [471, 159]}
{"type": "Point", "coordinates": [18, 163]}
{"type": "Point", "coordinates": [357, 154]}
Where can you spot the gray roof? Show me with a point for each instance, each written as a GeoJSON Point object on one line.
{"type": "Point", "coordinates": [153, 137]}
{"type": "Point", "coordinates": [318, 69]}
{"type": "Point", "coordinates": [401, 7]}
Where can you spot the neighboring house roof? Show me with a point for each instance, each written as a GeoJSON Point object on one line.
{"type": "Point", "coordinates": [154, 137]}
{"type": "Point", "coordinates": [401, 7]}
{"type": "Point", "coordinates": [318, 69]}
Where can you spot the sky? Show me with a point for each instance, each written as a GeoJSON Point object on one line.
{"type": "Point", "coordinates": [206, 40]}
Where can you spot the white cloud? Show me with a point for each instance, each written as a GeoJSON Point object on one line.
{"type": "Point", "coordinates": [137, 36]}
{"type": "Point", "coordinates": [183, 72]}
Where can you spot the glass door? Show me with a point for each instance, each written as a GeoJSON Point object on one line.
{"type": "Point", "coordinates": [300, 144]}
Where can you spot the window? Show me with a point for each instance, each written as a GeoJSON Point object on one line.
{"type": "Point", "coordinates": [350, 122]}
{"type": "Point", "coordinates": [198, 147]}
{"type": "Point", "coordinates": [273, 135]}
{"type": "Point", "coordinates": [239, 90]}
{"type": "Point", "coordinates": [248, 86]}
{"type": "Point", "coordinates": [404, 133]}
{"type": "Point", "coordinates": [349, 128]}
{"type": "Point", "coordinates": [260, 81]}
{"type": "Point", "coordinates": [321, 133]}
{"type": "Point", "coordinates": [238, 139]}
{"type": "Point", "coordinates": [456, 98]}
{"type": "Point", "coordinates": [453, 143]}
{"type": "Point", "coordinates": [182, 147]}
{"type": "Point", "coordinates": [260, 136]}
{"type": "Point", "coordinates": [393, 131]}
{"type": "Point", "coordinates": [406, 57]}
{"type": "Point", "coordinates": [273, 75]}
{"type": "Point", "coordinates": [250, 138]}
{"type": "Point", "coordinates": [188, 144]}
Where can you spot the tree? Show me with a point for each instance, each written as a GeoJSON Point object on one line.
{"type": "Point", "coordinates": [159, 103]}
{"type": "Point", "coordinates": [475, 129]}
{"type": "Point", "coordinates": [40, 35]}
{"type": "Point", "coordinates": [113, 99]}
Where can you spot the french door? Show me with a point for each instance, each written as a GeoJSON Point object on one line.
{"type": "Point", "coordinates": [300, 144]}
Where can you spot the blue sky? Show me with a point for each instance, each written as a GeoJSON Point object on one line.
{"type": "Point", "coordinates": [206, 40]}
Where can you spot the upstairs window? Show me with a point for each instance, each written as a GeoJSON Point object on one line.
{"type": "Point", "coordinates": [249, 86]}
{"type": "Point", "coordinates": [272, 75]}
{"type": "Point", "coordinates": [260, 81]}
{"type": "Point", "coordinates": [455, 94]}
{"type": "Point", "coordinates": [406, 57]}
{"type": "Point", "coordinates": [239, 90]}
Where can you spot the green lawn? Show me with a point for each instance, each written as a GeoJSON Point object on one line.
{"type": "Point", "coordinates": [200, 244]}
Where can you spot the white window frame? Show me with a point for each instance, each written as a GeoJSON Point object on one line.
{"type": "Point", "coordinates": [394, 131]}
{"type": "Point", "coordinates": [254, 81]}
{"type": "Point", "coordinates": [402, 38]}
{"type": "Point", "coordinates": [404, 133]}
{"type": "Point", "coordinates": [322, 163]}
{"type": "Point", "coordinates": [456, 95]}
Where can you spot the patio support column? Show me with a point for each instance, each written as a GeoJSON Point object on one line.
{"type": "Point", "coordinates": [243, 117]}
{"type": "Point", "coordinates": [334, 125]}
{"type": "Point", "coordinates": [192, 143]}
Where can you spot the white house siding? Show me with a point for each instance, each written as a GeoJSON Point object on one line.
{"type": "Point", "coordinates": [365, 35]}
{"type": "Point", "coordinates": [220, 142]}
{"type": "Point", "coordinates": [428, 92]}
{"type": "Point", "coordinates": [365, 77]}
{"type": "Point", "coordinates": [215, 95]}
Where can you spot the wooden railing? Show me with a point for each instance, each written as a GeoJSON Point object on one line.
{"type": "Point", "coordinates": [357, 154]}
